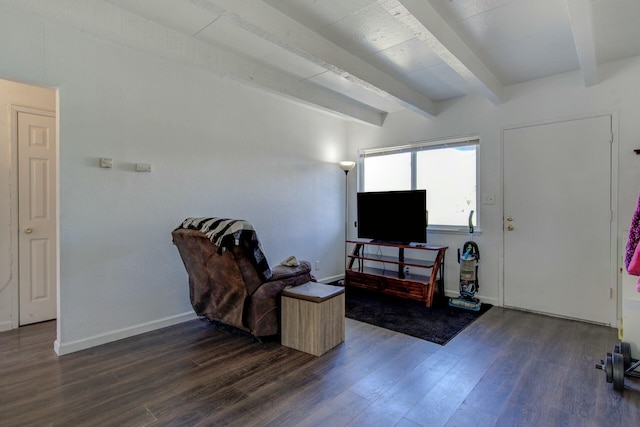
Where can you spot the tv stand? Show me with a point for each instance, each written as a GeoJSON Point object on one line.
{"type": "Point", "coordinates": [419, 284]}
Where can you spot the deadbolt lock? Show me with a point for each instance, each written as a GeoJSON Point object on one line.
{"type": "Point", "coordinates": [510, 227]}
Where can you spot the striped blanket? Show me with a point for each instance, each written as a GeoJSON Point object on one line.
{"type": "Point", "coordinates": [225, 233]}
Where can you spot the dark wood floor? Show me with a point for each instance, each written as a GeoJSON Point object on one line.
{"type": "Point", "coordinates": [508, 368]}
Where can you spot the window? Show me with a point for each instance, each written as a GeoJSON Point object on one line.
{"type": "Point", "coordinates": [447, 169]}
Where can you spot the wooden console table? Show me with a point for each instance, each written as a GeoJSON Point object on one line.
{"type": "Point", "coordinates": [386, 274]}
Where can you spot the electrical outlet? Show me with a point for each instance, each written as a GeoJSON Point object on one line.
{"type": "Point", "coordinates": [317, 266]}
{"type": "Point", "coordinates": [106, 162]}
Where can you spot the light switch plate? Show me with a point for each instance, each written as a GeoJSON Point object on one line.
{"type": "Point", "coordinates": [143, 167]}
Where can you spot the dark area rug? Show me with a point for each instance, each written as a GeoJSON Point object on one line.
{"type": "Point", "coordinates": [437, 324]}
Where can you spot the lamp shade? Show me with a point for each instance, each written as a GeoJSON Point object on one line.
{"type": "Point", "coordinates": [347, 165]}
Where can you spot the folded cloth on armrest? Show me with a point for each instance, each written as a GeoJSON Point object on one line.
{"type": "Point", "coordinates": [224, 233]}
{"type": "Point", "coordinates": [290, 262]}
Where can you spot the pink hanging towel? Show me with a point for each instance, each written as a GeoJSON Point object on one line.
{"type": "Point", "coordinates": [634, 236]}
{"type": "Point", "coordinates": [632, 257]}
{"type": "Point", "coordinates": [634, 266]}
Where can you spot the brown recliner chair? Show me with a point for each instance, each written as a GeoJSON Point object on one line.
{"type": "Point", "coordinates": [226, 286]}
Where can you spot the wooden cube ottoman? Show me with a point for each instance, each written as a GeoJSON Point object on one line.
{"type": "Point", "coordinates": [313, 317]}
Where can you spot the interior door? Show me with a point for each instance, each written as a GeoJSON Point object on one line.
{"type": "Point", "coordinates": [36, 217]}
{"type": "Point", "coordinates": [557, 219]}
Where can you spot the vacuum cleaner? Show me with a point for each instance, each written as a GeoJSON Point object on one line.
{"type": "Point", "coordinates": [468, 259]}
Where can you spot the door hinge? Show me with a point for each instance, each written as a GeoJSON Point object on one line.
{"type": "Point", "coordinates": [611, 138]}
{"type": "Point", "coordinates": [610, 293]}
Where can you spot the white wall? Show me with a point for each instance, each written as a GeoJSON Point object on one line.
{"type": "Point", "coordinates": [219, 148]}
{"type": "Point", "coordinates": [544, 100]}
{"type": "Point", "coordinates": [216, 149]}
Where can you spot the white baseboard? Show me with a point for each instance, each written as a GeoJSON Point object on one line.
{"type": "Point", "coordinates": [448, 294]}
{"type": "Point", "coordinates": [62, 348]}
{"type": "Point", "coordinates": [330, 278]}
{"type": "Point", "coordinates": [6, 326]}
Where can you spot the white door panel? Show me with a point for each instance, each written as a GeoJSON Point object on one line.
{"type": "Point", "coordinates": [36, 217]}
{"type": "Point", "coordinates": [557, 210]}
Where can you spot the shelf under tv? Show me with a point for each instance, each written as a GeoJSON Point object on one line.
{"type": "Point", "coordinates": [420, 284]}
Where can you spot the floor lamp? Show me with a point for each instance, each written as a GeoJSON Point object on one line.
{"type": "Point", "coordinates": [346, 166]}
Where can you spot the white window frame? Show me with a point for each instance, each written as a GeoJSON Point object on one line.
{"type": "Point", "coordinates": [416, 146]}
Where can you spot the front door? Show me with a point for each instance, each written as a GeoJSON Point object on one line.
{"type": "Point", "coordinates": [36, 217]}
{"type": "Point", "coordinates": [557, 219]}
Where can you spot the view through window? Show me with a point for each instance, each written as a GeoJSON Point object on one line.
{"type": "Point", "coordinates": [446, 169]}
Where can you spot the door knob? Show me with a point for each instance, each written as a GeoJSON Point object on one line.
{"type": "Point", "coordinates": [28, 230]}
{"type": "Point", "coordinates": [510, 227]}
{"type": "Point", "coordinates": [509, 218]}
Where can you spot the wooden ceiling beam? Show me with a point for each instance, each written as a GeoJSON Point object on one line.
{"type": "Point", "coordinates": [429, 27]}
{"type": "Point", "coordinates": [580, 15]}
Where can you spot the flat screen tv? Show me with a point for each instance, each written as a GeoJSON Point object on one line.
{"type": "Point", "coordinates": [393, 216]}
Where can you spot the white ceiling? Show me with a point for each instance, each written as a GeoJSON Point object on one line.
{"type": "Point", "coordinates": [388, 55]}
